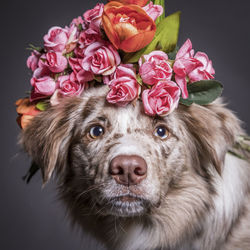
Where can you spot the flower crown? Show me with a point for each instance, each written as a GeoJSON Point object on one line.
{"type": "Point", "coordinates": [128, 45]}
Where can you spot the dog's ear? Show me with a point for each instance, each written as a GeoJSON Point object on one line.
{"type": "Point", "coordinates": [48, 136]}
{"type": "Point", "coordinates": [213, 129]}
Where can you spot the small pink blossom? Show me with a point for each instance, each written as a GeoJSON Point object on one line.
{"type": "Point", "coordinates": [203, 72]}
{"type": "Point", "coordinates": [32, 61]}
{"type": "Point", "coordinates": [101, 59]}
{"type": "Point", "coordinates": [190, 67]}
{"type": "Point", "coordinates": [79, 52]}
{"type": "Point", "coordinates": [56, 39]}
{"type": "Point", "coordinates": [153, 10]}
{"type": "Point", "coordinates": [41, 71]}
{"type": "Point", "coordinates": [88, 37]}
{"type": "Point", "coordinates": [77, 21]}
{"type": "Point", "coordinates": [42, 87]}
{"type": "Point", "coordinates": [123, 90]}
{"type": "Point", "coordinates": [184, 64]}
{"type": "Point", "coordinates": [56, 62]}
{"type": "Point", "coordinates": [67, 86]}
{"type": "Point", "coordinates": [85, 39]}
{"type": "Point", "coordinates": [61, 40]}
{"type": "Point", "coordinates": [155, 67]}
{"type": "Point", "coordinates": [125, 70]}
{"type": "Point", "coordinates": [162, 99]}
{"type": "Point", "coordinates": [93, 16]}
{"type": "Point", "coordinates": [122, 70]}
{"type": "Point", "coordinates": [80, 74]}
{"type": "Point", "coordinates": [75, 64]}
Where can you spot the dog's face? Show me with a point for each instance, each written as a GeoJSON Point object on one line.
{"type": "Point", "coordinates": [119, 153]}
{"type": "Point", "coordinates": [119, 161]}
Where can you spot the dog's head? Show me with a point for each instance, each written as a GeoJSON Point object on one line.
{"type": "Point", "coordinates": [119, 161]}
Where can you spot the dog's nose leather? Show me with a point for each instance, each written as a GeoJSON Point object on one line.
{"type": "Point", "coordinates": [128, 169]}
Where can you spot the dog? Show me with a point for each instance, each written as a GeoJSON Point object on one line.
{"type": "Point", "coordinates": [140, 183]}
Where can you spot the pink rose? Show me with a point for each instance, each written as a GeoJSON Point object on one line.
{"type": "Point", "coordinates": [155, 68]}
{"type": "Point", "coordinates": [153, 11]}
{"type": "Point", "coordinates": [68, 86]}
{"type": "Point", "coordinates": [32, 61]}
{"type": "Point", "coordinates": [80, 74]}
{"type": "Point", "coordinates": [56, 62]}
{"type": "Point", "coordinates": [42, 87]}
{"type": "Point", "coordinates": [77, 21]}
{"type": "Point", "coordinates": [101, 58]}
{"type": "Point", "coordinates": [122, 70]}
{"type": "Point", "coordinates": [93, 16]}
{"type": "Point", "coordinates": [203, 72]}
{"type": "Point", "coordinates": [125, 70]}
{"type": "Point", "coordinates": [41, 71]}
{"type": "Point", "coordinates": [56, 39]}
{"type": "Point", "coordinates": [79, 52]}
{"type": "Point", "coordinates": [162, 99]}
{"type": "Point", "coordinates": [88, 37]}
{"type": "Point", "coordinates": [75, 64]}
{"type": "Point", "coordinates": [184, 64]}
{"type": "Point", "coordinates": [61, 40]}
{"type": "Point", "coordinates": [123, 90]}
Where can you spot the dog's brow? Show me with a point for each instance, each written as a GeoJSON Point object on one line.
{"type": "Point", "coordinates": [157, 119]}
{"type": "Point", "coordinates": [101, 118]}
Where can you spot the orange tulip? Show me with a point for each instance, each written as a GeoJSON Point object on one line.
{"type": "Point", "coordinates": [136, 2]}
{"type": "Point", "coordinates": [128, 27]}
{"type": "Point", "coordinates": [26, 111]}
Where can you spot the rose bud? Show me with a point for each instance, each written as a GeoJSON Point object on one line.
{"type": "Point", "coordinates": [155, 67]}
{"type": "Point", "coordinates": [32, 61]}
{"type": "Point", "coordinates": [42, 87]}
{"type": "Point", "coordinates": [162, 99]}
{"type": "Point", "coordinates": [153, 10]}
{"type": "Point", "coordinates": [123, 90]}
{"type": "Point", "coordinates": [93, 16]}
{"type": "Point", "coordinates": [56, 62]}
{"type": "Point", "coordinates": [128, 27]}
{"type": "Point", "coordinates": [205, 71]}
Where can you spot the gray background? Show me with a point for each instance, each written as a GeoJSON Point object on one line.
{"type": "Point", "coordinates": [31, 218]}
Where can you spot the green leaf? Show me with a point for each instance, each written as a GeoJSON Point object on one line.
{"type": "Point", "coordinates": [172, 55]}
{"type": "Point", "coordinates": [166, 38]}
{"type": "Point", "coordinates": [32, 47]}
{"type": "Point", "coordinates": [186, 102]}
{"type": "Point", "coordinates": [31, 172]}
{"type": "Point", "coordinates": [202, 92]}
{"type": "Point", "coordinates": [162, 3]}
{"type": "Point", "coordinates": [80, 27]}
{"type": "Point", "coordinates": [139, 80]}
{"type": "Point", "coordinates": [42, 106]}
{"type": "Point", "coordinates": [71, 54]}
{"type": "Point", "coordinates": [98, 78]}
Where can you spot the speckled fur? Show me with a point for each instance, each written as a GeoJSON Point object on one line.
{"type": "Point", "coordinates": [195, 196]}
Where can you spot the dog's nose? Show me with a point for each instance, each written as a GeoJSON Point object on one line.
{"type": "Point", "coordinates": [128, 169]}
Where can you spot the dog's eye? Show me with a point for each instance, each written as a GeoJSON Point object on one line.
{"type": "Point", "coordinates": [161, 132]}
{"type": "Point", "coordinates": [96, 131]}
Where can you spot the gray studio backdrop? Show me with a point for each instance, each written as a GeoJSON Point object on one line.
{"type": "Point", "coordinates": [31, 218]}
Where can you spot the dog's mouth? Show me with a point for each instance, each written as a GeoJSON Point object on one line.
{"type": "Point", "coordinates": [124, 206]}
